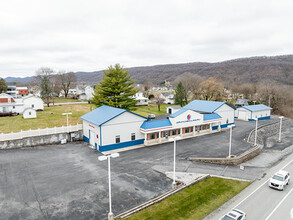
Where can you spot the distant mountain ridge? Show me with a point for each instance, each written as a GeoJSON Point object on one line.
{"type": "Point", "coordinates": [252, 69]}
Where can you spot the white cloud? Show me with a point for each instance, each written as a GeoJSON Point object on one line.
{"type": "Point", "coordinates": [89, 35]}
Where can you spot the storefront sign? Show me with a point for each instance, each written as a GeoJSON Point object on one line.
{"type": "Point", "coordinates": [187, 121]}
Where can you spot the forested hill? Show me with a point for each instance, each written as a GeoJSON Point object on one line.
{"type": "Point", "coordinates": [253, 69]}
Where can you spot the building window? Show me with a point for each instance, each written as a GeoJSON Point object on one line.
{"type": "Point", "coordinates": [227, 122]}
{"type": "Point", "coordinates": [118, 139]}
{"type": "Point", "coordinates": [132, 136]}
{"type": "Point", "coordinates": [29, 113]}
{"type": "Point", "coordinates": [33, 105]}
{"type": "Point", "coordinates": [13, 107]}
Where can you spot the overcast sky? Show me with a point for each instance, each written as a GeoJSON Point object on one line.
{"type": "Point", "coordinates": [90, 35]}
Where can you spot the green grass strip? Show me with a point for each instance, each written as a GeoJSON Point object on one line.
{"type": "Point", "coordinates": [194, 202]}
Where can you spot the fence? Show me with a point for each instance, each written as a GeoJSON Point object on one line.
{"type": "Point", "coordinates": [40, 132]}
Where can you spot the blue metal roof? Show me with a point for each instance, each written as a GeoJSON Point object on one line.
{"type": "Point", "coordinates": [255, 108]}
{"type": "Point", "coordinates": [179, 112]}
{"type": "Point", "coordinates": [104, 114]}
{"type": "Point", "coordinates": [204, 106]}
{"type": "Point", "coordinates": [213, 116]}
{"type": "Point", "coordinates": [156, 124]}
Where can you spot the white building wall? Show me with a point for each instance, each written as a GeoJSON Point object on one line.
{"type": "Point", "coordinates": [29, 113]}
{"type": "Point", "coordinates": [122, 125]}
{"type": "Point", "coordinates": [90, 129]}
{"type": "Point", "coordinates": [261, 114]}
{"type": "Point", "coordinates": [33, 102]}
{"type": "Point", "coordinates": [227, 113]}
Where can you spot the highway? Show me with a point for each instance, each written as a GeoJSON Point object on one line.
{"type": "Point", "coordinates": [259, 201]}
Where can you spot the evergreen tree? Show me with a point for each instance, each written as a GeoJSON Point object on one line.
{"type": "Point", "coordinates": [3, 86]}
{"type": "Point", "coordinates": [46, 89]}
{"type": "Point", "coordinates": [115, 89]}
{"type": "Point", "coordinates": [180, 95]}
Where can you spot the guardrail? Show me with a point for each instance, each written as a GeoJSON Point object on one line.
{"type": "Point", "coordinates": [40, 132]}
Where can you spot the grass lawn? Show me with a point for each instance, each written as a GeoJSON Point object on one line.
{"type": "Point", "coordinates": [150, 109]}
{"type": "Point", "coordinates": [62, 100]}
{"type": "Point", "coordinates": [194, 202]}
{"type": "Point", "coordinates": [50, 117]}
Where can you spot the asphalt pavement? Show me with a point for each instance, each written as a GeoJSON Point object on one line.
{"type": "Point", "coordinates": [261, 202]}
{"type": "Point", "coordinates": [68, 181]}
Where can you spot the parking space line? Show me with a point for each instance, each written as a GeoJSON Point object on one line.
{"type": "Point", "coordinates": [279, 204]}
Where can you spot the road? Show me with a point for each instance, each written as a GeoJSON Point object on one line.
{"type": "Point", "coordinates": [259, 201]}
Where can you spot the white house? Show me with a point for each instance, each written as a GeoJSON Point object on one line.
{"type": "Point", "coordinates": [29, 113]}
{"type": "Point", "coordinates": [141, 100]}
{"type": "Point", "coordinates": [173, 109]}
{"type": "Point", "coordinates": [168, 98]}
{"type": "Point", "coordinates": [89, 92]}
{"type": "Point", "coordinates": [9, 105]}
{"type": "Point", "coordinates": [249, 113]}
{"type": "Point", "coordinates": [107, 128]}
{"type": "Point", "coordinates": [34, 102]}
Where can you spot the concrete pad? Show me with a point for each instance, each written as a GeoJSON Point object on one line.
{"type": "Point", "coordinates": [184, 177]}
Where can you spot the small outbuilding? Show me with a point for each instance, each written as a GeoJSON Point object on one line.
{"type": "Point", "coordinates": [172, 109]}
{"type": "Point", "coordinates": [29, 113]}
{"type": "Point", "coordinates": [108, 128]}
{"type": "Point", "coordinates": [249, 113]}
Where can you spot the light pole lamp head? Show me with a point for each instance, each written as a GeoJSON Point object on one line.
{"type": "Point", "coordinates": [175, 138]}
{"type": "Point", "coordinates": [281, 117]}
{"type": "Point", "coordinates": [101, 158]}
{"type": "Point", "coordinates": [231, 126]}
{"type": "Point", "coordinates": [114, 155]}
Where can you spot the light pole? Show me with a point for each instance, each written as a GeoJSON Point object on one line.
{"type": "Point", "coordinates": [255, 136]}
{"type": "Point", "coordinates": [280, 132]}
{"type": "Point", "coordinates": [174, 139]}
{"type": "Point", "coordinates": [230, 144]}
{"type": "Point", "coordinates": [105, 157]}
{"type": "Point", "coordinates": [67, 113]}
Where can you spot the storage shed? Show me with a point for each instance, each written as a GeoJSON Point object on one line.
{"type": "Point", "coordinates": [172, 109]}
{"type": "Point", "coordinates": [249, 113]}
{"type": "Point", "coordinates": [108, 128]}
{"type": "Point", "coordinates": [29, 113]}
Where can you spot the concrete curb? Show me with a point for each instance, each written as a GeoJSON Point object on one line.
{"type": "Point", "coordinates": [158, 199]}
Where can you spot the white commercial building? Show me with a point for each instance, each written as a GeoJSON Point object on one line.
{"type": "Point", "coordinates": [109, 128]}
{"type": "Point", "coordinates": [250, 112]}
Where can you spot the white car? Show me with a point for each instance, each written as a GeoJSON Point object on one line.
{"type": "Point", "coordinates": [279, 180]}
{"type": "Point", "coordinates": [234, 214]}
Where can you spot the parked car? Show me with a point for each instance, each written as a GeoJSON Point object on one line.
{"type": "Point", "coordinates": [234, 214]}
{"type": "Point", "coordinates": [279, 180]}
{"type": "Point", "coordinates": [151, 116]}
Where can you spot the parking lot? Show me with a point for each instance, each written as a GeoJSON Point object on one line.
{"type": "Point", "coordinates": [68, 181]}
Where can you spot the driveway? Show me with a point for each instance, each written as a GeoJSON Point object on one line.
{"type": "Point", "coordinates": [68, 181]}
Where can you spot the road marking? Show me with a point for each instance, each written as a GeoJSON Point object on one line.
{"type": "Point", "coordinates": [260, 186]}
{"type": "Point", "coordinates": [279, 204]}
{"type": "Point", "coordinates": [291, 213]}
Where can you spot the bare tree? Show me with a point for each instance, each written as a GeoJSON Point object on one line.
{"type": "Point", "coordinates": [211, 89]}
{"type": "Point", "coordinates": [44, 77]}
{"type": "Point", "coordinates": [191, 83]}
{"type": "Point", "coordinates": [66, 81]}
{"type": "Point", "coordinates": [158, 100]}
{"type": "Point", "coordinates": [147, 85]}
